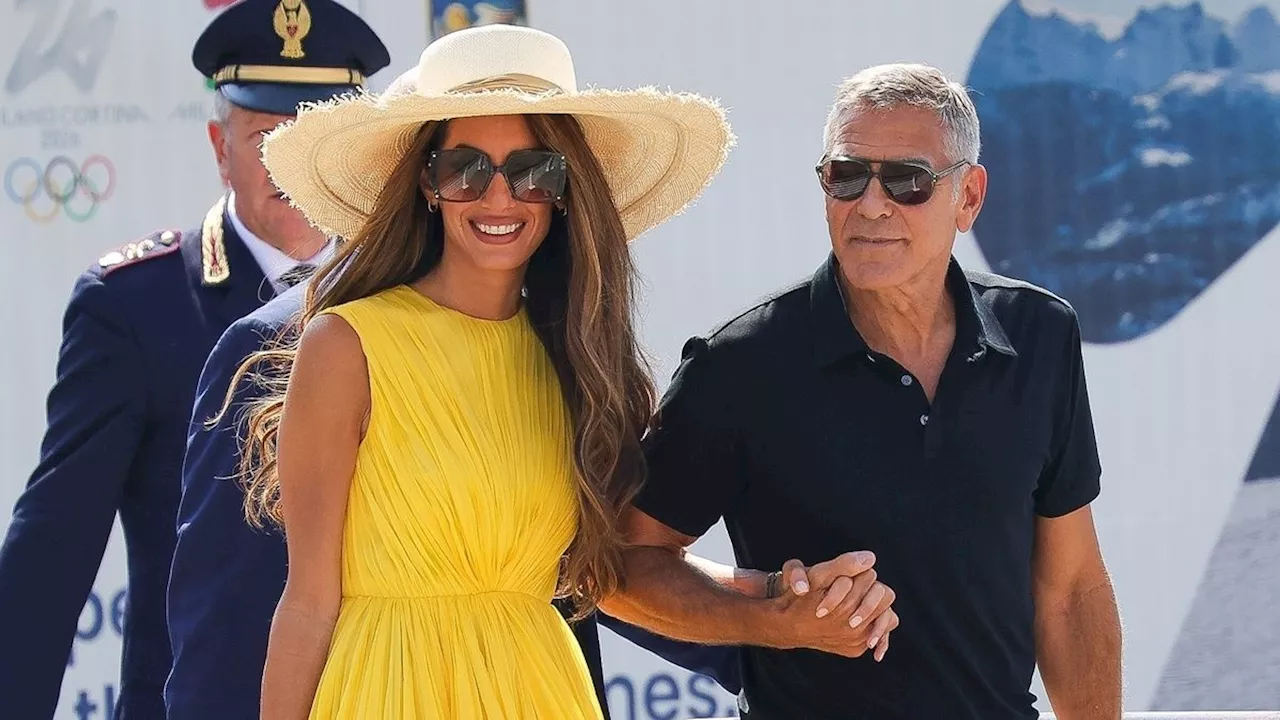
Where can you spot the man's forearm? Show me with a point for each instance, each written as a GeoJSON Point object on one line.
{"type": "Point", "coordinates": [1079, 648]}
{"type": "Point", "coordinates": [672, 595]}
{"type": "Point", "coordinates": [747, 582]}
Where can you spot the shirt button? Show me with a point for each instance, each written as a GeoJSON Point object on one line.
{"type": "Point", "coordinates": [924, 419]}
{"type": "Point", "coordinates": [906, 380]}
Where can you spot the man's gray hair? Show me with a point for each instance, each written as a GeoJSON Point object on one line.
{"type": "Point", "coordinates": [221, 109]}
{"type": "Point", "coordinates": [910, 85]}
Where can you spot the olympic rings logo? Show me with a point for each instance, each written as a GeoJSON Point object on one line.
{"type": "Point", "coordinates": [60, 185]}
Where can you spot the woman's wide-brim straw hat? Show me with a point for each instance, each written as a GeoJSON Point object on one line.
{"type": "Point", "coordinates": [659, 150]}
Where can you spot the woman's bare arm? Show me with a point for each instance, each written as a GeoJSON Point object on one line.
{"type": "Point", "coordinates": [320, 432]}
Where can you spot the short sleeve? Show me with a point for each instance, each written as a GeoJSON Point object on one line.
{"type": "Point", "coordinates": [692, 446]}
{"type": "Point", "coordinates": [1072, 477]}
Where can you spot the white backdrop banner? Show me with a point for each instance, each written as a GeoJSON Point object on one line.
{"type": "Point", "coordinates": [1135, 161]}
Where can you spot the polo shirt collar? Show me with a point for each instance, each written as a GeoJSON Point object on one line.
{"type": "Point", "coordinates": [835, 337]}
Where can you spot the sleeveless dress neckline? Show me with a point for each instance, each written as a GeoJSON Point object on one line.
{"type": "Point", "coordinates": [519, 316]}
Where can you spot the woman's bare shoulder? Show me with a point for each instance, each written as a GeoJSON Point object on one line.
{"type": "Point", "coordinates": [330, 354]}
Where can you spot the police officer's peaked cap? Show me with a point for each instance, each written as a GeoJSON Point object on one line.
{"type": "Point", "coordinates": [271, 55]}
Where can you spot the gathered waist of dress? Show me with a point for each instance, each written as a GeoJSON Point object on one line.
{"type": "Point", "coordinates": [494, 594]}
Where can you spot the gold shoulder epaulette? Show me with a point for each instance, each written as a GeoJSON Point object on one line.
{"type": "Point", "coordinates": [154, 245]}
{"type": "Point", "coordinates": [213, 247]}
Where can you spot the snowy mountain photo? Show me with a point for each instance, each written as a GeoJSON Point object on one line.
{"type": "Point", "coordinates": [1128, 173]}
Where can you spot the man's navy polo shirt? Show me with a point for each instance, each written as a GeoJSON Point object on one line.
{"type": "Point", "coordinates": [810, 444]}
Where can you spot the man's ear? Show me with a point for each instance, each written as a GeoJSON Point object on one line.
{"type": "Point", "coordinates": [218, 139]}
{"type": "Point", "coordinates": [973, 192]}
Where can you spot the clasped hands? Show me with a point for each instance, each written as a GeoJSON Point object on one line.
{"type": "Point", "coordinates": [852, 616]}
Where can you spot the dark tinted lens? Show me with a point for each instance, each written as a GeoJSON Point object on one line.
{"type": "Point", "coordinates": [536, 176]}
{"type": "Point", "coordinates": [845, 179]}
{"type": "Point", "coordinates": [460, 175]}
{"type": "Point", "coordinates": [906, 184]}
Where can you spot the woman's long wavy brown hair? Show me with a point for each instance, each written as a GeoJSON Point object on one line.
{"type": "Point", "coordinates": [580, 288]}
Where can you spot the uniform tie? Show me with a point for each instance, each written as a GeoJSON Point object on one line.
{"type": "Point", "coordinates": [298, 273]}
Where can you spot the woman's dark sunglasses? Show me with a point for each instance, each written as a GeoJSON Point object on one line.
{"type": "Point", "coordinates": [463, 174]}
{"type": "Point", "coordinates": [906, 183]}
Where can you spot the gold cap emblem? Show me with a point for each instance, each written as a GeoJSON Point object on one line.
{"type": "Point", "coordinates": [292, 22]}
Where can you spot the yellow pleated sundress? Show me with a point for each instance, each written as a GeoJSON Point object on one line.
{"type": "Point", "coordinates": [461, 507]}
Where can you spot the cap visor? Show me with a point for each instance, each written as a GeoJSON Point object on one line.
{"type": "Point", "coordinates": [280, 99]}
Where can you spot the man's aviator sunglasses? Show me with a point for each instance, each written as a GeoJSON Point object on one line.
{"type": "Point", "coordinates": [463, 174]}
{"type": "Point", "coordinates": [906, 183]}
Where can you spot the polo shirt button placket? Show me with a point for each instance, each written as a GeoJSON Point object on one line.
{"type": "Point", "coordinates": [907, 381]}
{"type": "Point", "coordinates": [931, 439]}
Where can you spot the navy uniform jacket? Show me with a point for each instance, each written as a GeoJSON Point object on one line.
{"type": "Point", "coordinates": [136, 333]}
{"type": "Point", "coordinates": [227, 576]}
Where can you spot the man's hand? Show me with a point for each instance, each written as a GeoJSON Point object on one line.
{"type": "Point", "coordinates": [670, 592]}
{"type": "Point", "coordinates": [854, 598]}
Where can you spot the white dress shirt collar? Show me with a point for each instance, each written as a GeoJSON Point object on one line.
{"type": "Point", "coordinates": [271, 259]}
